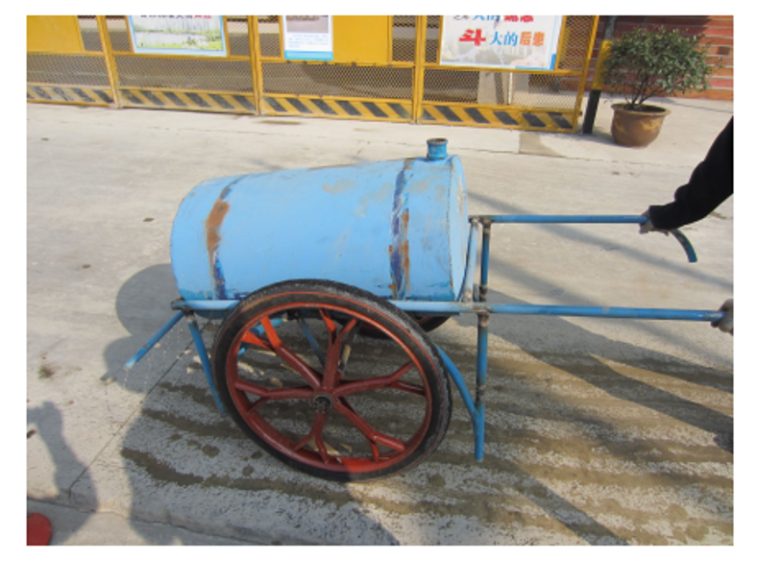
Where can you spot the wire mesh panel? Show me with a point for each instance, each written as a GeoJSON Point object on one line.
{"type": "Point", "coordinates": [337, 80]}
{"type": "Point", "coordinates": [269, 36]}
{"type": "Point", "coordinates": [189, 74]}
{"type": "Point", "coordinates": [403, 36]}
{"type": "Point", "coordinates": [574, 48]}
{"type": "Point", "coordinates": [118, 33]}
{"type": "Point", "coordinates": [66, 70]}
{"type": "Point", "coordinates": [88, 26]}
{"type": "Point", "coordinates": [432, 39]}
{"type": "Point", "coordinates": [237, 36]}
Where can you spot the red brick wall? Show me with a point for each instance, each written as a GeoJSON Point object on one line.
{"type": "Point", "coordinates": [718, 32]}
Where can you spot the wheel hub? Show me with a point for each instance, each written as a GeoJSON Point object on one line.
{"type": "Point", "coordinates": [322, 403]}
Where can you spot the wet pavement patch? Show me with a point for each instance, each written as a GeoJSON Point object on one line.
{"type": "Point", "coordinates": [46, 371]}
{"type": "Point", "coordinates": [159, 470]}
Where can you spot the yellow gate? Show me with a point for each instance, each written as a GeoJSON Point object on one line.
{"type": "Point", "coordinates": [223, 84]}
{"type": "Point", "coordinates": [66, 62]}
{"type": "Point", "coordinates": [382, 68]}
{"type": "Point", "coordinates": [370, 77]}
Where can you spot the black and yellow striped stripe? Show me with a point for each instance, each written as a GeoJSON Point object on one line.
{"type": "Point", "coordinates": [88, 95]}
{"type": "Point", "coordinates": [503, 117]}
{"type": "Point", "coordinates": [375, 110]}
{"type": "Point", "coordinates": [181, 99]}
{"type": "Point", "coordinates": [304, 106]}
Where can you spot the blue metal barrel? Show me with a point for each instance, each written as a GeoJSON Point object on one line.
{"type": "Point", "coordinates": [396, 228]}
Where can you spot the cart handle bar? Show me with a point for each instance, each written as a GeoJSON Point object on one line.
{"type": "Point", "coordinates": [584, 219]}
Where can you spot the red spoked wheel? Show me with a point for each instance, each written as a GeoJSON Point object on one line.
{"type": "Point", "coordinates": [298, 377]}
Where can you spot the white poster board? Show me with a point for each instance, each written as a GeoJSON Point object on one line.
{"type": "Point", "coordinates": [178, 35]}
{"type": "Point", "coordinates": [518, 42]}
{"type": "Point", "coordinates": [307, 37]}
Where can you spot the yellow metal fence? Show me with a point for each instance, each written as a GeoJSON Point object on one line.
{"type": "Point", "coordinates": [395, 76]}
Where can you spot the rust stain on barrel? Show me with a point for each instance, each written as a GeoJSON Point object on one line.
{"type": "Point", "coordinates": [404, 247]}
{"type": "Point", "coordinates": [213, 238]}
{"type": "Point", "coordinates": [399, 255]}
{"type": "Point", "coordinates": [213, 224]}
{"type": "Point", "coordinates": [399, 250]}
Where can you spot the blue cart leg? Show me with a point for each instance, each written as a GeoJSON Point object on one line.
{"type": "Point", "coordinates": [203, 354]}
{"type": "Point", "coordinates": [476, 408]}
{"type": "Point", "coordinates": [152, 342]}
{"type": "Point", "coordinates": [480, 389]}
{"type": "Point", "coordinates": [484, 260]}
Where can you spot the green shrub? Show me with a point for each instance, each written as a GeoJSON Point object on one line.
{"type": "Point", "coordinates": [654, 63]}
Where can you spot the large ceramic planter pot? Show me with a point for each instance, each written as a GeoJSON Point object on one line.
{"type": "Point", "coordinates": [637, 128]}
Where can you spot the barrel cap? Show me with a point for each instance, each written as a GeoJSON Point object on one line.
{"type": "Point", "coordinates": [437, 149]}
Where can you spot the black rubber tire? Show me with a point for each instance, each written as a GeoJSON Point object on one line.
{"type": "Point", "coordinates": [426, 323]}
{"type": "Point", "coordinates": [430, 323]}
{"type": "Point", "coordinates": [427, 386]}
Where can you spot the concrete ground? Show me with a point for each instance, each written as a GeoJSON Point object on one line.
{"type": "Point", "coordinates": [598, 431]}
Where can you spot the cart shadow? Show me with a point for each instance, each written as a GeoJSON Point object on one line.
{"type": "Point", "coordinates": [142, 307]}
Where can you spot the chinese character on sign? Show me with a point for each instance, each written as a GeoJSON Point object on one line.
{"type": "Point", "coordinates": [477, 39]}
{"type": "Point", "coordinates": [510, 39]}
{"type": "Point", "coordinates": [538, 39]}
{"type": "Point", "coordinates": [525, 38]}
{"type": "Point", "coordinates": [515, 19]}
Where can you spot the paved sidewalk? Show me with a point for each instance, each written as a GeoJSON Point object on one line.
{"type": "Point", "coordinates": [598, 431]}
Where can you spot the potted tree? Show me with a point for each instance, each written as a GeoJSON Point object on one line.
{"type": "Point", "coordinates": [651, 63]}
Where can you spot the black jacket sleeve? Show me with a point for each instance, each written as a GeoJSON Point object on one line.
{"type": "Point", "coordinates": [711, 183]}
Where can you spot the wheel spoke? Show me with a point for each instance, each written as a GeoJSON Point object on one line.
{"type": "Point", "coordinates": [329, 323]}
{"type": "Point", "coordinates": [288, 356]}
{"type": "Point", "coordinates": [375, 451]}
{"type": "Point", "coordinates": [417, 389]}
{"type": "Point", "coordinates": [334, 349]}
{"type": "Point", "coordinates": [375, 383]}
{"type": "Point", "coordinates": [349, 342]}
{"type": "Point", "coordinates": [316, 435]}
{"type": "Point", "coordinates": [250, 337]}
{"type": "Point", "coordinates": [366, 429]}
{"type": "Point", "coordinates": [255, 406]}
{"type": "Point", "coordinates": [299, 392]}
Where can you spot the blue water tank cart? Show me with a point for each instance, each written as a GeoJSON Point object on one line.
{"type": "Point", "coordinates": [322, 357]}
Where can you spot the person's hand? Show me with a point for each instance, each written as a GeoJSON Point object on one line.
{"type": "Point", "coordinates": [647, 227]}
{"type": "Point", "coordinates": [726, 324]}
